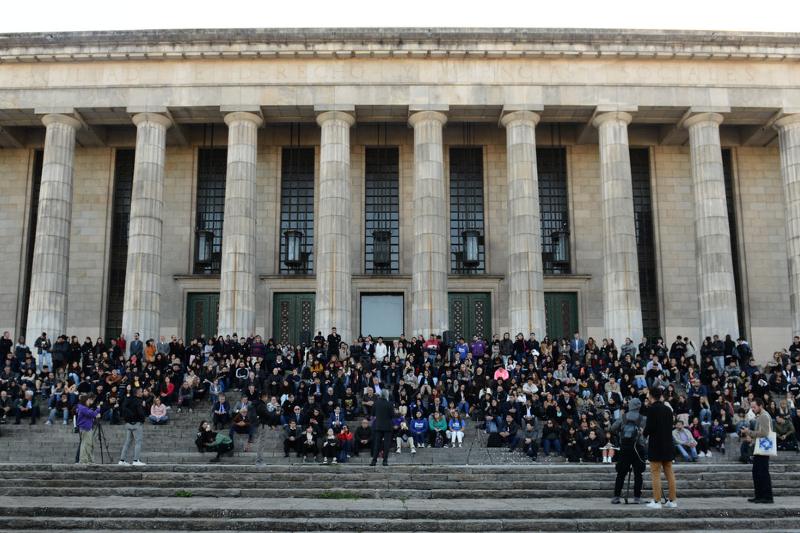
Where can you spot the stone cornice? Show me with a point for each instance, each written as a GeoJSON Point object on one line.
{"type": "Point", "coordinates": [341, 43]}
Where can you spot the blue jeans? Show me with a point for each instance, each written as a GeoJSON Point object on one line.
{"type": "Point", "coordinates": [555, 444]}
{"type": "Point", "coordinates": [692, 453]}
{"type": "Point", "coordinates": [45, 358]}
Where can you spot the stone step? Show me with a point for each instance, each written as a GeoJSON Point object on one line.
{"type": "Point", "coordinates": [448, 494]}
{"type": "Point", "coordinates": [344, 474]}
{"type": "Point", "coordinates": [352, 510]}
{"type": "Point", "coordinates": [415, 470]}
{"type": "Point", "coordinates": [650, 523]}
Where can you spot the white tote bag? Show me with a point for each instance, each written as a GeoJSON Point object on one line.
{"type": "Point", "coordinates": [766, 445]}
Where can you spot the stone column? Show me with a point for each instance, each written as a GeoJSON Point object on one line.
{"type": "Point", "coordinates": [431, 262]}
{"type": "Point", "coordinates": [47, 304]}
{"type": "Point", "coordinates": [525, 275]}
{"type": "Point", "coordinates": [141, 310]}
{"type": "Point", "coordinates": [237, 283]}
{"type": "Point", "coordinates": [715, 283]}
{"type": "Point", "coordinates": [332, 229]}
{"type": "Point", "coordinates": [622, 304]}
{"type": "Point", "coordinates": [789, 140]}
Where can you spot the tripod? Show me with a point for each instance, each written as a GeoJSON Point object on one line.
{"type": "Point", "coordinates": [101, 438]}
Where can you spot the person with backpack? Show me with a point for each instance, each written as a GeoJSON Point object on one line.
{"type": "Point", "coordinates": [631, 450]}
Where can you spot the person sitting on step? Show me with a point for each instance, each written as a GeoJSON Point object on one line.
{"type": "Point", "coordinates": [158, 413]}
{"type": "Point", "coordinates": [243, 424]}
{"type": "Point", "coordinates": [211, 441]}
{"type": "Point", "coordinates": [456, 427]}
{"type": "Point", "coordinates": [330, 448]}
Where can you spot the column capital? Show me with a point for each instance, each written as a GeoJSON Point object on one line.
{"type": "Point", "coordinates": [620, 116]}
{"type": "Point", "coordinates": [520, 116]}
{"type": "Point", "coordinates": [325, 116]}
{"type": "Point", "coordinates": [788, 120]}
{"type": "Point", "coordinates": [58, 118]}
{"type": "Point", "coordinates": [236, 116]}
{"type": "Point", "coordinates": [157, 118]}
{"type": "Point", "coordinates": [421, 116]}
{"type": "Point", "coordinates": [703, 117]}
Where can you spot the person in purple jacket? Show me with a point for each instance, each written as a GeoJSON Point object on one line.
{"type": "Point", "coordinates": [478, 347]}
{"type": "Point", "coordinates": [84, 420]}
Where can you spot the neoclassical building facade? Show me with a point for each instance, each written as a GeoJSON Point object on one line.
{"type": "Point", "coordinates": [283, 182]}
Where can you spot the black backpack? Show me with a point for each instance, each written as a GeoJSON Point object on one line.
{"type": "Point", "coordinates": [629, 436]}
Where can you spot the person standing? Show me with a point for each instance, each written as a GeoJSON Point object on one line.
{"type": "Point", "coordinates": [660, 449]}
{"type": "Point", "coordinates": [631, 452]}
{"type": "Point", "coordinates": [85, 417]}
{"type": "Point", "coordinates": [762, 483]}
{"type": "Point", "coordinates": [382, 428]}
{"type": "Point", "coordinates": [133, 412]}
{"type": "Point", "coordinates": [334, 340]}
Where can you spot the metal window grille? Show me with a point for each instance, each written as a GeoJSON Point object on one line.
{"type": "Point", "coordinates": [382, 211]}
{"type": "Point", "coordinates": [466, 207]}
{"type": "Point", "coordinates": [120, 218]}
{"type": "Point", "coordinates": [554, 209]}
{"type": "Point", "coordinates": [297, 206]}
{"type": "Point", "coordinates": [211, 169]}
{"type": "Point", "coordinates": [645, 245]}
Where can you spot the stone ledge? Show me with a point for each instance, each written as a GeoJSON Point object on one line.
{"type": "Point", "coordinates": [399, 42]}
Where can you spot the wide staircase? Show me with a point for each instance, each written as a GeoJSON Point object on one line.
{"type": "Point", "coordinates": [463, 489]}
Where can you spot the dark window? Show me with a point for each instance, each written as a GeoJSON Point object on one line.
{"type": "Point", "coordinates": [36, 183]}
{"type": "Point", "coordinates": [466, 209]}
{"type": "Point", "coordinates": [727, 169]}
{"type": "Point", "coordinates": [211, 167]}
{"type": "Point", "coordinates": [645, 248]}
{"type": "Point", "coordinates": [297, 207]}
{"type": "Point", "coordinates": [118, 262]}
{"type": "Point", "coordinates": [554, 209]}
{"type": "Point", "coordinates": [381, 211]}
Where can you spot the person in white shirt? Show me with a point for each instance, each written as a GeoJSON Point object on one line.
{"type": "Point", "coordinates": [381, 350]}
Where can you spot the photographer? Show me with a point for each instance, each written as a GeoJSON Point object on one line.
{"type": "Point", "coordinates": [631, 451]}
{"type": "Point", "coordinates": [85, 422]}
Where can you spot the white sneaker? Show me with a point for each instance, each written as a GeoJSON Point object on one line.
{"type": "Point", "coordinates": [48, 423]}
{"type": "Point", "coordinates": [325, 461]}
{"type": "Point", "coordinates": [671, 505]}
{"type": "Point", "coordinates": [708, 454]}
{"type": "Point", "coordinates": [701, 454]}
{"type": "Point", "coordinates": [138, 463]}
{"type": "Point", "coordinates": [398, 450]}
{"type": "Point", "coordinates": [124, 463]}
{"type": "Point", "coordinates": [64, 423]}
{"type": "Point", "coordinates": [413, 450]}
{"type": "Point", "coordinates": [459, 445]}
{"type": "Point", "coordinates": [654, 505]}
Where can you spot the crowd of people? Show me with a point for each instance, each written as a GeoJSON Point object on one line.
{"type": "Point", "coordinates": [541, 397]}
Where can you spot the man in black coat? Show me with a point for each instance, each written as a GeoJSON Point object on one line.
{"type": "Point", "coordinates": [660, 448]}
{"type": "Point", "coordinates": [382, 428]}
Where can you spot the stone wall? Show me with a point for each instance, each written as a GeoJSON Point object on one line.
{"type": "Point", "coordinates": [15, 171]}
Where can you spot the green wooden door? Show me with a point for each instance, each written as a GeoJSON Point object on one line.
{"type": "Point", "coordinates": [202, 314]}
{"type": "Point", "coordinates": [561, 314]}
{"type": "Point", "coordinates": [293, 317]}
{"type": "Point", "coordinates": [470, 314]}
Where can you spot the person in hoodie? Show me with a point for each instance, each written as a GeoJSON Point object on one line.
{"type": "Point", "coordinates": [419, 429]}
{"type": "Point", "coordinates": [629, 429]}
{"type": "Point", "coordinates": [85, 417]}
